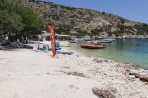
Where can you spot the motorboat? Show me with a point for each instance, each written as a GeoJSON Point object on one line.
{"type": "Point", "coordinates": [93, 46]}
{"type": "Point", "coordinates": [105, 41]}
{"type": "Point", "coordinates": [109, 39]}
{"type": "Point", "coordinates": [73, 41]}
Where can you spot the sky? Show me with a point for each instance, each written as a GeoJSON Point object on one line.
{"type": "Point", "coordinates": [135, 10]}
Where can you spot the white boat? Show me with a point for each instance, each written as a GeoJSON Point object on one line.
{"type": "Point", "coordinates": [109, 39]}
{"type": "Point", "coordinates": [73, 41]}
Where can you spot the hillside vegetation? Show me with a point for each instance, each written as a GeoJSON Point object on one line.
{"type": "Point", "coordinates": [85, 21]}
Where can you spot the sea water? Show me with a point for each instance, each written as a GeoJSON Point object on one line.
{"type": "Point", "coordinates": [133, 51]}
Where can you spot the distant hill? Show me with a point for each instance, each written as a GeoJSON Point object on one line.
{"type": "Point", "coordinates": [66, 19]}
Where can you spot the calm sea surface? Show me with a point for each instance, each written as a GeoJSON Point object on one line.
{"type": "Point", "coordinates": [134, 51]}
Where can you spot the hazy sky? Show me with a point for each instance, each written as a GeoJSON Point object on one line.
{"type": "Point", "coordinates": [136, 10]}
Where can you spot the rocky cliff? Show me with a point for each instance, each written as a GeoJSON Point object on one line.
{"type": "Point", "coordinates": [69, 18]}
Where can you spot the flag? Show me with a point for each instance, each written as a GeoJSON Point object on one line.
{"type": "Point", "coordinates": [52, 39]}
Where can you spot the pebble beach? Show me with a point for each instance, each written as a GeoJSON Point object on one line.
{"type": "Point", "coordinates": [35, 74]}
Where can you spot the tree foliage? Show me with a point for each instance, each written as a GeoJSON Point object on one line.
{"type": "Point", "coordinates": [82, 33]}
{"type": "Point", "coordinates": [142, 28]}
{"type": "Point", "coordinates": [96, 31]}
{"type": "Point", "coordinates": [14, 18]}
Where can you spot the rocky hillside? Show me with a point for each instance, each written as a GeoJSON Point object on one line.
{"type": "Point", "coordinates": [69, 19]}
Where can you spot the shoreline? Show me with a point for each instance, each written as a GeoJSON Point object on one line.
{"type": "Point", "coordinates": [127, 56]}
{"type": "Point", "coordinates": [133, 66]}
{"type": "Point", "coordinates": [120, 62]}
{"type": "Point", "coordinates": [26, 74]}
{"type": "Point", "coordinates": [129, 72]}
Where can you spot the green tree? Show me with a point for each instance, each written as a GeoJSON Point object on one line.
{"type": "Point", "coordinates": [14, 18]}
{"type": "Point", "coordinates": [82, 33]}
{"type": "Point", "coordinates": [11, 21]}
{"type": "Point", "coordinates": [30, 19]}
{"type": "Point", "coordinates": [96, 31]}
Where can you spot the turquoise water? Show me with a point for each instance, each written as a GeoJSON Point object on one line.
{"type": "Point", "coordinates": [134, 51]}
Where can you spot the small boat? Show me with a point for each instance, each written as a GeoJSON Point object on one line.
{"type": "Point", "coordinates": [73, 41]}
{"type": "Point", "coordinates": [109, 39]}
{"type": "Point", "coordinates": [93, 46]}
{"type": "Point", "coordinates": [105, 41]}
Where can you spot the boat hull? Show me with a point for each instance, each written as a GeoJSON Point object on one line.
{"type": "Point", "coordinates": [92, 47]}
{"type": "Point", "coordinates": [105, 41]}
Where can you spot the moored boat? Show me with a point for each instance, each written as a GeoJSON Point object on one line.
{"type": "Point", "coordinates": [93, 46]}
{"type": "Point", "coordinates": [109, 39]}
{"type": "Point", "coordinates": [105, 41]}
{"type": "Point", "coordinates": [73, 41]}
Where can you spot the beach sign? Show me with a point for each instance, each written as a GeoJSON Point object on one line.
{"type": "Point", "coordinates": [52, 39]}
